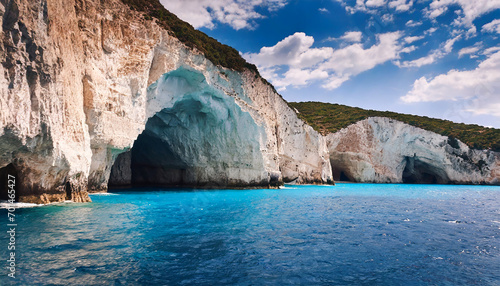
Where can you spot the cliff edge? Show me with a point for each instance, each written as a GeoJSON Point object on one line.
{"type": "Point", "coordinates": [384, 150]}
{"type": "Point", "coordinates": [106, 92]}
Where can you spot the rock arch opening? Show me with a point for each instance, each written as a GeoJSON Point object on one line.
{"type": "Point", "coordinates": [197, 136]}
{"type": "Point", "coordinates": [417, 171]}
{"type": "Point", "coordinates": [7, 174]}
{"type": "Point", "coordinates": [341, 174]}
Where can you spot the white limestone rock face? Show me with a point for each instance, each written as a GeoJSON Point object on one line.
{"type": "Point", "coordinates": [197, 136]}
{"type": "Point", "coordinates": [383, 150]}
{"type": "Point", "coordinates": [42, 123]}
{"type": "Point", "coordinates": [74, 96]}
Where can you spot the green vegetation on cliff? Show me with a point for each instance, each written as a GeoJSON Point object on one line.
{"type": "Point", "coordinates": [329, 118]}
{"type": "Point", "coordinates": [323, 117]}
{"type": "Point", "coordinates": [217, 53]}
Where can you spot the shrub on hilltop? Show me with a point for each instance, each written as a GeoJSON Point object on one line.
{"type": "Point", "coordinates": [329, 118]}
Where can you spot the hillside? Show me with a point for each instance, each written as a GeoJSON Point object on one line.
{"type": "Point", "coordinates": [216, 52]}
{"type": "Point", "coordinates": [324, 117]}
{"type": "Point", "coordinates": [329, 118]}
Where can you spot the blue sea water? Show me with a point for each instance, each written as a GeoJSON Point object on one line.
{"type": "Point", "coordinates": [348, 234]}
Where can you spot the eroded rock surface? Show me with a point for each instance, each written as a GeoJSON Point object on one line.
{"type": "Point", "coordinates": [77, 91]}
{"type": "Point", "coordinates": [383, 150]}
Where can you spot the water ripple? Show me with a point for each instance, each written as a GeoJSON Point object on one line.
{"type": "Point", "coordinates": [352, 234]}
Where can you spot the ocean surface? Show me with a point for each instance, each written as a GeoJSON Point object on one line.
{"type": "Point", "coordinates": [349, 234]}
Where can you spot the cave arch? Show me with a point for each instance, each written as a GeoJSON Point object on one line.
{"type": "Point", "coordinates": [418, 171]}
{"type": "Point", "coordinates": [341, 174]}
{"type": "Point", "coordinates": [196, 136]}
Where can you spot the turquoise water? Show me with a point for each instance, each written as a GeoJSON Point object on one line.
{"type": "Point", "coordinates": [349, 234]}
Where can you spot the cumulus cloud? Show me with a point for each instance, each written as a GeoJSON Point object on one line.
{"type": "Point", "coordinates": [375, 3]}
{"type": "Point", "coordinates": [372, 6]}
{"type": "Point", "coordinates": [294, 51]}
{"type": "Point", "coordinates": [333, 67]}
{"type": "Point", "coordinates": [323, 10]}
{"type": "Point", "coordinates": [481, 86]}
{"type": "Point", "coordinates": [492, 27]}
{"type": "Point", "coordinates": [353, 37]}
{"type": "Point", "coordinates": [401, 5]}
{"type": "Point", "coordinates": [354, 59]}
{"type": "Point", "coordinates": [239, 14]}
{"type": "Point", "coordinates": [470, 10]}
{"type": "Point", "coordinates": [432, 57]}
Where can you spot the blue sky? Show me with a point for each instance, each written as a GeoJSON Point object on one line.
{"type": "Point", "coordinates": [434, 58]}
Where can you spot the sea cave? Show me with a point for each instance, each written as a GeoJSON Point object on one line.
{"type": "Point", "coordinates": [202, 138]}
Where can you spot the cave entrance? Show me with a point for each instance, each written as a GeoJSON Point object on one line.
{"type": "Point", "coordinates": [343, 177]}
{"type": "Point", "coordinates": [200, 138]}
{"type": "Point", "coordinates": [7, 185]}
{"type": "Point", "coordinates": [417, 171]}
{"type": "Point", "coordinates": [341, 174]}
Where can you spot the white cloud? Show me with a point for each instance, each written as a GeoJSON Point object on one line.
{"type": "Point", "coordinates": [448, 46]}
{"type": "Point", "coordinates": [407, 50]}
{"type": "Point", "coordinates": [471, 32]}
{"type": "Point", "coordinates": [410, 40]}
{"type": "Point", "coordinates": [375, 3]}
{"type": "Point", "coordinates": [350, 37]}
{"type": "Point", "coordinates": [353, 37]}
{"type": "Point", "coordinates": [294, 51]}
{"type": "Point", "coordinates": [304, 64]}
{"type": "Point", "coordinates": [299, 77]}
{"type": "Point", "coordinates": [430, 31]}
{"type": "Point", "coordinates": [359, 7]}
{"type": "Point", "coordinates": [387, 18]}
{"type": "Point", "coordinates": [433, 56]}
{"type": "Point", "coordinates": [323, 10]}
{"type": "Point", "coordinates": [491, 50]}
{"type": "Point", "coordinates": [401, 5]}
{"type": "Point", "coordinates": [427, 60]}
{"type": "Point", "coordinates": [481, 86]}
{"type": "Point", "coordinates": [412, 23]}
{"type": "Point", "coordinates": [468, 51]}
{"type": "Point", "coordinates": [471, 9]}
{"type": "Point", "coordinates": [372, 6]}
{"type": "Point", "coordinates": [335, 81]}
{"type": "Point", "coordinates": [434, 13]}
{"type": "Point", "coordinates": [492, 27]}
{"type": "Point", "coordinates": [353, 59]}
{"type": "Point", "coordinates": [239, 14]}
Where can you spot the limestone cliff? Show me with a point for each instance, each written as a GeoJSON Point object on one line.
{"type": "Point", "coordinates": [82, 80]}
{"type": "Point", "coordinates": [383, 150]}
